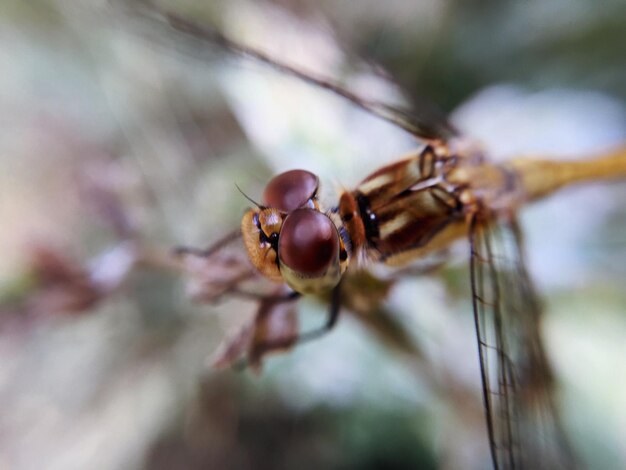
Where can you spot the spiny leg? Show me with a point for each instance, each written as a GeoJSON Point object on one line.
{"type": "Point", "coordinates": [299, 338]}
{"type": "Point", "coordinates": [272, 298]}
{"type": "Point", "coordinates": [206, 252]}
{"type": "Point", "coordinates": [331, 319]}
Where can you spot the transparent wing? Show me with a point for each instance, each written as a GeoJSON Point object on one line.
{"type": "Point", "coordinates": [522, 420]}
{"type": "Point", "coordinates": [424, 123]}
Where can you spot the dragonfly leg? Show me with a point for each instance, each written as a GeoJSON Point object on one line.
{"type": "Point", "coordinates": [190, 251]}
{"type": "Point", "coordinates": [206, 252]}
{"type": "Point", "coordinates": [299, 338]}
{"type": "Point", "coordinates": [275, 298]}
{"type": "Point", "coordinates": [331, 319]}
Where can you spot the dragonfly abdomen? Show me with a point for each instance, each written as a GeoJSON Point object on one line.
{"type": "Point", "coordinates": [542, 177]}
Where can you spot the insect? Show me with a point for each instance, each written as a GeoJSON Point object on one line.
{"type": "Point", "coordinates": [440, 193]}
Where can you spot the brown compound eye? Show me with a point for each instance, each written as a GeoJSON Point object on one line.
{"type": "Point", "coordinates": [290, 190]}
{"type": "Point", "coordinates": [308, 243]}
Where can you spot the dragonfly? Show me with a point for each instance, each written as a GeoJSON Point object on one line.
{"type": "Point", "coordinates": [442, 192]}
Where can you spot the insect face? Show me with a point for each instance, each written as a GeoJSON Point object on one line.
{"type": "Point", "coordinates": [290, 240]}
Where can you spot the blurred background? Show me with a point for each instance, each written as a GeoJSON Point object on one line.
{"type": "Point", "coordinates": [121, 138]}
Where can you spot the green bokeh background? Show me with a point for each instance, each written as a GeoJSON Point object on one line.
{"type": "Point", "coordinates": [96, 94]}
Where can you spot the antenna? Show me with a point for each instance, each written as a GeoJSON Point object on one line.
{"type": "Point", "coordinates": [248, 197]}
